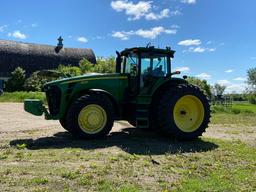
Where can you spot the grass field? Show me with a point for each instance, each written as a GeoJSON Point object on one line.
{"type": "Point", "coordinates": [245, 107]}
{"type": "Point", "coordinates": [203, 165]}
{"type": "Point", "coordinates": [20, 96]}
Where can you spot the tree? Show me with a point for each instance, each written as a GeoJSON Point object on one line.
{"type": "Point", "coordinates": [104, 65]}
{"type": "Point", "coordinates": [16, 80]}
{"type": "Point", "coordinates": [202, 84]}
{"type": "Point", "coordinates": [251, 79]}
{"type": "Point", "coordinates": [219, 89]}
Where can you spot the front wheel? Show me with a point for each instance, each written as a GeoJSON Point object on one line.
{"type": "Point", "coordinates": [183, 112]}
{"type": "Point", "coordinates": [90, 116]}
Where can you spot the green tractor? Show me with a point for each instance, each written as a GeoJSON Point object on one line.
{"type": "Point", "coordinates": [143, 91]}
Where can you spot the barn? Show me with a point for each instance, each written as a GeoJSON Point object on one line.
{"type": "Point", "coordinates": [34, 57]}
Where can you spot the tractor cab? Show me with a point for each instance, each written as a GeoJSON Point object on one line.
{"type": "Point", "coordinates": [144, 66]}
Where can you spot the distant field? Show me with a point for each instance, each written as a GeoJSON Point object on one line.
{"type": "Point", "coordinates": [245, 106]}
{"type": "Point", "coordinates": [237, 108]}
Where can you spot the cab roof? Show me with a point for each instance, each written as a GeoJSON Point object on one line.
{"type": "Point", "coordinates": [151, 49]}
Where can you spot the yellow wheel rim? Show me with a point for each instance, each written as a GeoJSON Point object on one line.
{"type": "Point", "coordinates": [188, 113]}
{"type": "Point", "coordinates": [92, 119]}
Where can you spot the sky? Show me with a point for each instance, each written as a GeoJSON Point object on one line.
{"type": "Point", "coordinates": [213, 39]}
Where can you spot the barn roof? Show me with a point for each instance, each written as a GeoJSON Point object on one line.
{"type": "Point", "coordinates": [33, 57]}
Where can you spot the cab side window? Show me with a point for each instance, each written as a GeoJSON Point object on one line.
{"type": "Point", "coordinates": [131, 66]}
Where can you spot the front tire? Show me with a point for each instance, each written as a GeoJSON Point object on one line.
{"type": "Point", "coordinates": [90, 116]}
{"type": "Point", "coordinates": [183, 112]}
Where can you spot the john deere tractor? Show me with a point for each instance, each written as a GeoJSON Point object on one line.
{"type": "Point", "coordinates": [143, 91]}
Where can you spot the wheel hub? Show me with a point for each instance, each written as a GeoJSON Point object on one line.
{"type": "Point", "coordinates": [92, 119]}
{"type": "Point", "coordinates": [188, 113]}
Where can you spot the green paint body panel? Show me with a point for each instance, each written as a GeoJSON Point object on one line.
{"type": "Point", "coordinates": [34, 106]}
{"type": "Point", "coordinates": [114, 85]}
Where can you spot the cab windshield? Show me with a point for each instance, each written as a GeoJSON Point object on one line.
{"type": "Point", "coordinates": [156, 65]}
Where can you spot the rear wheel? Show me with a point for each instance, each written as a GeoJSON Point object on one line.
{"type": "Point", "coordinates": [90, 116]}
{"type": "Point", "coordinates": [63, 124]}
{"type": "Point", "coordinates": [183, 112]}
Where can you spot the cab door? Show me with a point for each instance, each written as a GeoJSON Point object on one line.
{"type": "Point", "coordinates": [132, 69]}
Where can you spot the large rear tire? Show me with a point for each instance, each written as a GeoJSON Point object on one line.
{"type": "Point", "coordinates": [63, 124]}
{"type": "Point", "coordinates": [183, 112]}
{"type": "Point", "coordinates": [90, 116]}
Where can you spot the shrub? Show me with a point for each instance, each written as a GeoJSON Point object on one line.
{"type": "Point", "coordinates": [86, 66]}
{"type": "Point", "coordinates": [16, 80]}
{"type": "Point", "coordinates": [236, 111]}
{"type": "Point", "coordinates": [248, 111]}
{"type": "Point", "coordinates": [70, 70]}
{"type": "Point", "coordinates": [35, 82]}
{"type": "Point", "coordinates": [252, 99]}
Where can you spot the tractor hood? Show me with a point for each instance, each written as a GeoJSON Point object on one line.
{"type": "Point", "coordinates": [89, 76]}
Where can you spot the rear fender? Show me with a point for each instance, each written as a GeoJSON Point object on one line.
{"type": "Point", "coordinates": [158, 89]}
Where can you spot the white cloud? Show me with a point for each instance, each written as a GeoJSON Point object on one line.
{"type": "Point", "coordinates": [154, 32]}
{"type": "Point", "coordinates": [205, 76]}
{"type": "Point", "coordinates": [189, 1]}
{"type": "Point", "coordinates": [121, 35]}
{"type": "Point", "coordinates": [240, 79]}
{"type": "Point", "coordinates": [198, 50]}
{"type": "Point", "coordinates": [190, 42]}
{"type": "Point", "coordinates": [82, 39]}
{"type": "Point", "coordinates": [223, 82]}
{"type": "Point", "coordinates": [232, 87]}
{"type": "Point", "coordinates": [229, 71]}
{"type": "Point", "coordinates": [18, 35]}
{"type": "Point", "coordinates": [195, 46]}
{"type": "Point", "coordinates": [138, 10]}
{"type": "Point", "coordinates": [152, 16]}
{"type": "Point", "coordinates": [236, 88]}
{"type": "Point", "coordinates": [145, 33]}
{"type": "Point", "coordinates": [2, 28]}
{"type": "Point", "coordinates": [182, 69]}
